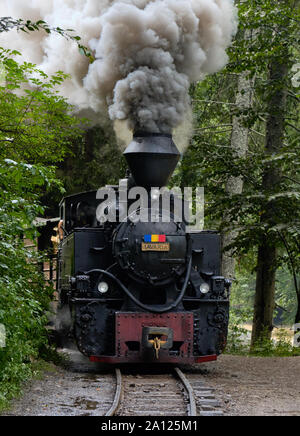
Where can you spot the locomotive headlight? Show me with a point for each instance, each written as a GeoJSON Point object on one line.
{"type": "Point", "coordinates": [204, 288]}
{"type": "Point", "coordinates": [103, 287]}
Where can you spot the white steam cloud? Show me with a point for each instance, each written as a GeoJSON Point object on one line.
{"type": "Point", "coordinates": [147, 52]}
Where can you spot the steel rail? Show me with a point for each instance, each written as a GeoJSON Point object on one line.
{"type": "Point", "coordinates": [192, 406]}
{"type": "Point", "coordinates": [116, 403]}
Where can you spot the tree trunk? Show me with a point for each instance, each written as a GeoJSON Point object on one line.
{"type": "Point", "coordinates": [265, 293]}
{"type": "Point", "coordinates": [234, 185]}
{"type": "Point", "coordinates": [266, 259]}
{"type": "Point", "coordinates": [297, 317]}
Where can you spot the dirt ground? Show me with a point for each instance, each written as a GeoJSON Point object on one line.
{"type": "Point", "coordinates": [256, 386]}
{"type": "Point", "coordinates": [244, 386]}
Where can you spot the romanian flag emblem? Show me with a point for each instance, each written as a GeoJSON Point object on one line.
{"type": "Point", "coordinates": [154, 238]}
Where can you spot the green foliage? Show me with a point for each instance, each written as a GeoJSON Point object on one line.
{"type": "Point", "coordinates": [23, 295]}
{"type": "Point", "coordinates": [35, 129]}
{"type": "Point", "coordinates": [281, 347]}
{"type": "Point", "coordinates": [268, 31]}
{"type": "Point", "coordinates": [9, 23]}
{"type": "Point", "coordinates": [35, 122]}
{"type": "Point", "coordinates": [241, 311]}
{"type": "Point", "coordinates": [241, 314]}
{"type": "Point", "coordinates": [238, 336]}
{"type": "Point", "coordinates": [239, 343]}
{"type": "Point", "coordinates": [93, 160]}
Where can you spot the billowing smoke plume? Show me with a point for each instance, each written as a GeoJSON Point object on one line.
{"type": "Point", "coordinates": [147, 52]}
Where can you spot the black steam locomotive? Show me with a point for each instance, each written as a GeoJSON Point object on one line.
{"type": "Point", "coordinates": [134, 291]}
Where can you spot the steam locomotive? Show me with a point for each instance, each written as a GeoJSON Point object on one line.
{"type": "Point", "coordinates": [134, 291]}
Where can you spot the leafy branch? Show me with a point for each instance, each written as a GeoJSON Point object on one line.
{"type": "Point", "coordinates": [9, 23]}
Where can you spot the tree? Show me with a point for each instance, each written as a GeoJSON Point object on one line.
{"type": "Point", "coordinates": [267, 249]}
{"type": "Point", "coordinates": [35, 122]}
{"type": "Point", "coordinates": [93, 160]}
{"type": "Point", "coordinates": [35, 130]}
{"type": "Point", "coordinates": [267, 211]}
{"type": "Point", "coordinates": [239, 144]}
{"type": "Point", "coordinates": [24, 298]}
{"type": "Point", "coordinates": [279, 64]}
{"type": "Point", "coordinates": [86, 159]}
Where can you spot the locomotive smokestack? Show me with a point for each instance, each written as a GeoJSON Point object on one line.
{"type": "Point", "coordinates": [152, 158]}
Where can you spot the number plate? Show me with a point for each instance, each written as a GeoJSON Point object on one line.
{"type": "Point", "coordinates": [153, 246]}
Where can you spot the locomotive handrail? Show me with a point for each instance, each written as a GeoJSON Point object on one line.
{"type": "Point", "coordinates": [145, 306]}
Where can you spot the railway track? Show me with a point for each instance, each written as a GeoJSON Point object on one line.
{"type": "Point", "coordinates": [172, 394]}
{"type": "Point", "coordinates": [84, 390]}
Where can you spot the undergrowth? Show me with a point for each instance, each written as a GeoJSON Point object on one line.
{"type": "Point", "coordinates": [24, 298]}
{"type": "Point", "coordinates": [239, 339]}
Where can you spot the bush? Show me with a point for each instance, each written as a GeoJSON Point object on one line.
{"type": "Point", "coordinates": [281, 347]}
{"type": "Point", "coordinates": [241, 313]}
{"type": "Point", "coordinates": [23, 296]}
{"type": "Point", "coordinates": [238, 336]}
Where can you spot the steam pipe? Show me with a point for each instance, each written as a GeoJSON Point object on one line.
{"type": "Point", "coordinates": [145, 306]}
